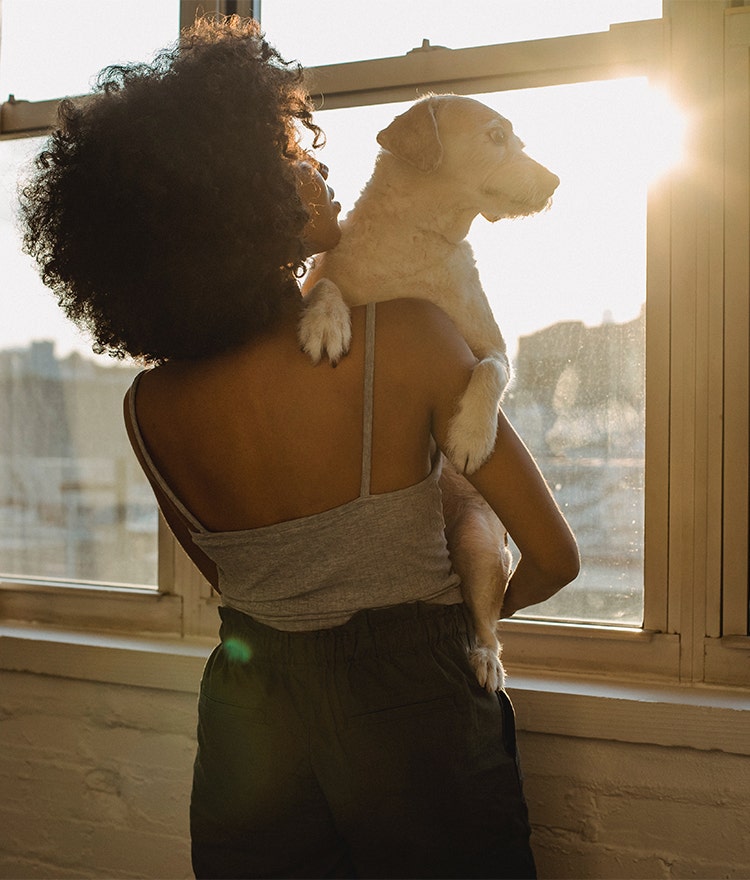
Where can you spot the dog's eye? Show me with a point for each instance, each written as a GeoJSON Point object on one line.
{"type": "Point", "coordinates": [497, 136]}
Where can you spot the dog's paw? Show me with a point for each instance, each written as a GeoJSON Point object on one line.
{"type": "Point", "coordinates": [325, 327]}
{"type": "Point", "coordinates": [488, 668]}
{"type": "Point", "coordinates": [468, 454]}
{"type": "Point", "coordinates": [472, 430]}
{"type": "Point", "coordinates": [470, 441]}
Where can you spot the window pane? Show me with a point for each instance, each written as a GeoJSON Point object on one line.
{"type": "Point", "coordinates": [568, 289]}
{"type": "Point", "coordinates": [52, 48]}
{"type": "Point", "coordinates": [74, 504]}
{"type": "Point", "coordinates": [348, 31]}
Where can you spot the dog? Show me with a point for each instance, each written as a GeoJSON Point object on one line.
{"type": "Point", "coordinates": [445, 160]}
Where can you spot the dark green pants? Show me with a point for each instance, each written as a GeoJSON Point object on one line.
{"type": "Point", "coordinates": [367, 750]}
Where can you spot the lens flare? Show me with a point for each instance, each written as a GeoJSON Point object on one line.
{"type": "Point", "coordinates": [237, 651]}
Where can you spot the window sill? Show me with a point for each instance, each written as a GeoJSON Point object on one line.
{"type": "Point", "coordinates": [163, 662]}
{"type": "Point", "coordinates": [95, 607]}
{"type": "Point", "coordinates": [564, 705]}
{"type": "Point", "coordinates": [676, 716]}
{"type": "Point", "coordinates": [539, 646]}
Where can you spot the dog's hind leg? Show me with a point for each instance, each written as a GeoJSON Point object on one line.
{"type": "Point", "coordinates": [482, 559]}
{"type": "Point", "coordinates": [478, 546]}
{"type": "Point", "coordinates": [326, 323]}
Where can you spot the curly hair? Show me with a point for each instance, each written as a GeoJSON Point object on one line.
{"type": "Point", "coordinates": [163, 211]}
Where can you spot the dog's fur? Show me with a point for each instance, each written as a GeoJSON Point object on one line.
{"type": "Point", "coordinates": [445, 160]}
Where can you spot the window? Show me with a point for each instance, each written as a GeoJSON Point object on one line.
{"type": "Point", "coordinates": [629, 333]}
{"type": "Point", "coordinates": [326, 38]}
{"type": "Point", "coordinates": [654, 529]}
{"type": "Point", "coordinates": [74, 507]}
{"type": "Point", "coordinates": [76, 39]}
{"type": "Point", "coordinates": [568, 288]}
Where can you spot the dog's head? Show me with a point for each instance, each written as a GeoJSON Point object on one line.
{"type": "Point", "coordinates": [475, 150]}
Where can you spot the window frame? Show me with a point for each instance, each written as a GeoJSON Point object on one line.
{"type": "Point", "coordinates": [696, 516]}
{"type": "Point", "coordinates": [726, 643]}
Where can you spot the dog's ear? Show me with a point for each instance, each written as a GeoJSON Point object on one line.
{"type": "Point", "coordinates": [413, 136]}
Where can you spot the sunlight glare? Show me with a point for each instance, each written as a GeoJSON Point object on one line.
{"type": "Point", "coordinates": [663, 128]}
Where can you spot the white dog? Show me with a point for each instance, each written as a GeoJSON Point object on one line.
{"type": "Point", "coordinates": [445, 160]}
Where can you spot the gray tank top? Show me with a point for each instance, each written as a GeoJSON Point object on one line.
{"type": "Point", "coordinates": [317, 571]}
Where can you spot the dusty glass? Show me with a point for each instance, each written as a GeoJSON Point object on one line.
{"type": "Point", "coordinates": [74, 504]}
{"type": "Point", "coordinates": [50, 49]}
{"type": "Point", "coordinates": [351, 30]}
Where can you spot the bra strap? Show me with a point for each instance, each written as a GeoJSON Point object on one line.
{"type": "Point", "coordinates": [364, 489]}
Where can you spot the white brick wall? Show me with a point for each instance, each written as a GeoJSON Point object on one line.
{"type": "Point", "coordinates": [95, 780]}
{"type": "Point", "coordinates": [622, 810]}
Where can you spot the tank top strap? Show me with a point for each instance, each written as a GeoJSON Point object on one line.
{"type": "Point", "coordinates": [369, 378]}
{"type": "Point", "coordinates": [150, 465]}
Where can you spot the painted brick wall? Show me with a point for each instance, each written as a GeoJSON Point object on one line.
{"type": "Point", "coordinates": [620, 810]}
{"type": "Point", "coordinates": [95, 779]}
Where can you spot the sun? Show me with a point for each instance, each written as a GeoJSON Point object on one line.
{"type": "Point", "coordinates": [662, 149]}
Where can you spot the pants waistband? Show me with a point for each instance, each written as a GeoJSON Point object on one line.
{"type": "Point", "coordinates": [380, 632]}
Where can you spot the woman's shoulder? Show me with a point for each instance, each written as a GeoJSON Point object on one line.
{"type": "Point", "coordinates": [422, 332]}
{"type": "Point", "coordinates": [419, 319]}
{"type": "Point", "coordinates": [407, 307]}
{"type": "Point", "coordinates": [420, 356]}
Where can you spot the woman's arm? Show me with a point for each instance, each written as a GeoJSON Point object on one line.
{"type": "Point", "coordinates": [512, 484]}
{"type": "Point", "coordinates": [510, 480]}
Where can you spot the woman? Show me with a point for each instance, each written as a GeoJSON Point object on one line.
{"type": "Point", "coordinates": [341, 730]}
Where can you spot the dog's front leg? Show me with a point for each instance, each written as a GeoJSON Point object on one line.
{"type": "Point", "coordinates": [472, 430]}
{"type": "Point", "coordinates": [326, 323]}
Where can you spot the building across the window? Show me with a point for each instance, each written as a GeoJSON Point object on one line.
{"type": "Point", "coordinates": [74, 505]}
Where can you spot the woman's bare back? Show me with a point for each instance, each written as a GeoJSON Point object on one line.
{"type": "Point", "coordinates": [260, 435]}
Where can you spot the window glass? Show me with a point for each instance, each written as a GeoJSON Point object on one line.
{"type": "Point", "coordinates": [50, 48]}
{"type": "Point", "coordinates": [568, 289]}
{"type": "Point", "coordinates": [74, 504]}
{"type": "Point", "coordinates": [342, 30]}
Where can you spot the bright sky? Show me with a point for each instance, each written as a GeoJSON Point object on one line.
{"type": "Point", "coordinates": [584, 257]}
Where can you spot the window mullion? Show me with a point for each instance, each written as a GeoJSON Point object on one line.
{"type": "Point", "coordinates": [631, 49]}
{"type": "Point", "coordinates": [656, 513]}
{"type": "Point", "coordinates": [179, 577]}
